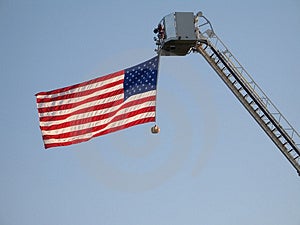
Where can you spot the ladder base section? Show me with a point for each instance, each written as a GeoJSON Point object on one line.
{"type": "Point", "coordinates": [251, 101]}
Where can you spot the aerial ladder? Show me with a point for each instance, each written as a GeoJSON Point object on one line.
{"type": "Point", "coordinates": [180, 33]}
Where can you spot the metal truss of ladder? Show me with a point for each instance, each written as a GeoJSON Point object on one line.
{"type": "Point", "coordinates": [250, 95]}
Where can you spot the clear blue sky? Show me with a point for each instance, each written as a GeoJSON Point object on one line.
{"type": "Point", "coordinates": [210, 165]}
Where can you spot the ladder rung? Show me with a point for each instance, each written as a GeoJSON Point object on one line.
{"type": "Point", "coordinates": [296, 157]}
{"type": "Point", "coordinates": [279, 136]}
{"type": "Point", "coordinates": [274, 129]}
{"type": "Point", "coordinates": [211, 55]}
{"type": "Point", "coordinates": [268, 122]}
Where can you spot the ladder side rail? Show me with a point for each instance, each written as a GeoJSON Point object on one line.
{"type": "Point", "coordinates": [219, 44]}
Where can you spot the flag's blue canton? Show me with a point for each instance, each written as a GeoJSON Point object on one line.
{"type": "Point", "coordinates": [141, 78]}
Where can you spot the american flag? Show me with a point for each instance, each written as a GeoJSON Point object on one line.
{"type": "Point", "coordinates": [99, 106]}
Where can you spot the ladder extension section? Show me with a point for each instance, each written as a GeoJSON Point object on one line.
{"type": "Point", "coordinates": [251, 96]}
